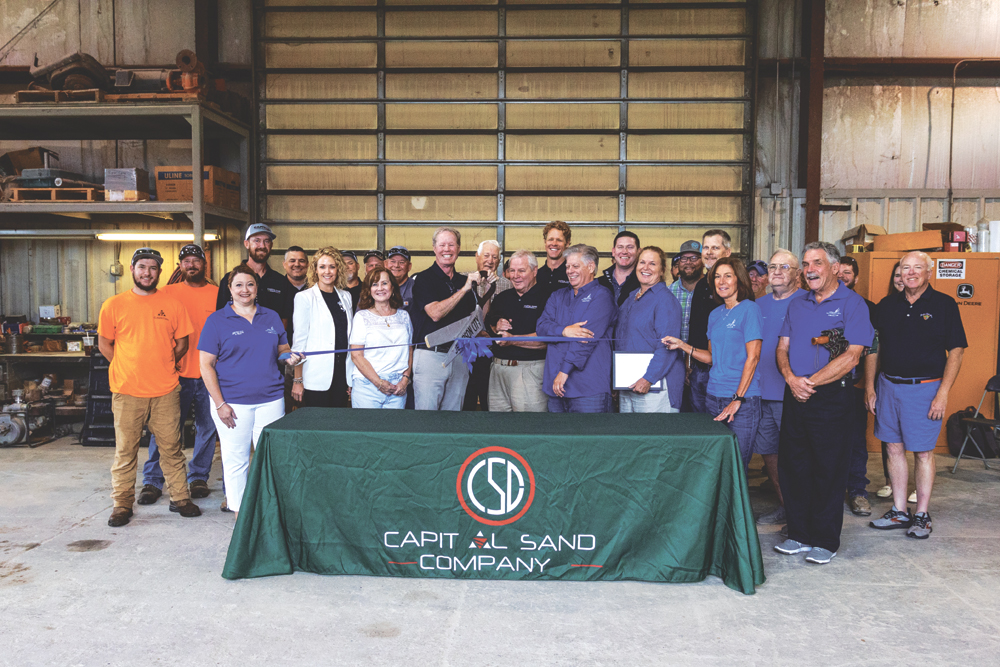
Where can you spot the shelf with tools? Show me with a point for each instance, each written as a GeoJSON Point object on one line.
{"type": "Point", "coordinates": [126, 121]}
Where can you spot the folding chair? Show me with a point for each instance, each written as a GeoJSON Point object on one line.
{"type": "Point", "coordinates": [975, 422]}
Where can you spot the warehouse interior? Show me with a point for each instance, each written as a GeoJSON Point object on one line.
{"type": "Point", "coordinates": [365, 124]}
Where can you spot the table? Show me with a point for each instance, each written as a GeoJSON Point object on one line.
{"type": "Point", "coordinates": [78, 366]}
{"type": "Point", "coordinates": [649, 497]}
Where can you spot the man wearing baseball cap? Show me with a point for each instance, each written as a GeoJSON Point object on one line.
{"type": "Point", "coordinates": [353, 279]}
{"type": "Point", "coordinates": [757, 270]}
{"type": "Point", "coordinates": [143, 333]}
{"type": "Point", "coordinates": [397, 260]}
{"type": "Point", "coordinates": [689, 270]}
{"type": "Point", "coordinates": [373, 258]}
{"type": "Point", "coordinates": [273, 289]}
{"type": "Point", "coordinates": [197, 296]}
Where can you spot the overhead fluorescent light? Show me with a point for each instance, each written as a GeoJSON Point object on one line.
{"type": "Point", "coordinates": [153, 236]}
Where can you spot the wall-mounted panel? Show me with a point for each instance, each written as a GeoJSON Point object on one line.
{"type": "Point", "coordinates": [441, 86]}
{"type": "Point", "coordinates": [441, 116]}
{"type": "Point", "coordinates": [441, 54]}
{"type": "Point", "coordinates": [307, 54]}
{"type": "Point", "coordinates": [321, 86]}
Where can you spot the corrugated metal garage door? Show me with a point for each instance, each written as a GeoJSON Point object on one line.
{"type": "Point", "coordinates": [381, 119]}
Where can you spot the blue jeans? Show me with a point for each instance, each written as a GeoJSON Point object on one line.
{"type": "Point", "coordinates": [857, 473]}
{"type": "Point", "coordinates": [193, 393]}
{"type": "Point", "coordinates": [744, 423]}
{"type": "Point", "coordinates": [698, 388]}
{"type": "Point", "coordinates": [366, 395]}
{"type": "Point", "coordinates": [595, 403]}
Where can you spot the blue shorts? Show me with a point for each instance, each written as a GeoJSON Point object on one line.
{"type": "Point", "coordinates": [901, 414]}
{"type": "Point", "coordinates": [766, 440]}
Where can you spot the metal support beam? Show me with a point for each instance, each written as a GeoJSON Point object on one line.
{"type": "Point", "coordinates": [206, 31]}
{"type": "Point", "coordinates": [197, 182]}
{"type": "Point", "coordinates": [811, 109]}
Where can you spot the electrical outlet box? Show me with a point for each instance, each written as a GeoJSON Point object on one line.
{"type": "Point", "coordinates": [117, 269]}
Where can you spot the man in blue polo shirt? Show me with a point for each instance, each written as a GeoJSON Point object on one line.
{"type": "Point", "coordinates": [921, 343]}
{"type": "Point", "coordinates": [783, 275]}
{"type": "Point", "coordinates": [578, 375]}
{"type": "Point", "coordinates": [813, 448]}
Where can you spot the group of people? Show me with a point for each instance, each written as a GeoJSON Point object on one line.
{"type": "Point", "coordinates": [716, 341]}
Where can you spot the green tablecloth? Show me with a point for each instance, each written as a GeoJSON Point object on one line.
{"type": "Point", "coordinates": [646, 497]}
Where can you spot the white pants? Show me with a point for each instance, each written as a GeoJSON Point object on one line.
{"type": "Point", "coordinates": [518, 388]}
{"type": "Point", "coordinates": [629, 401]}
{"type": "Point", "coordinates": [437, 387]}
{"type": "Point", "coordinates": [237, 443]}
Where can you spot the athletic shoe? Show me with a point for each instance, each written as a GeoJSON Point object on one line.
{"type": "Point", "coordinates": [789, 547]}
{"type": "Point", "coordinates": [820, 556]}
{"type": "Point", "coordinates": [777, 516]}
{"type": "Point", "coordinates": [912, 498]}
{"type": "Point", "coordinates": [859, 506]}
{"type": "Point", "coordinates": [892, 519]}
{"type": "Point", "coordinates": [921, 528]}
{"type": "Point", "coordinates": [885, 492]}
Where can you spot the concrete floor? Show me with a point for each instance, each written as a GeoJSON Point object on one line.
{"type": "Point", "coordinates": [75, 592]}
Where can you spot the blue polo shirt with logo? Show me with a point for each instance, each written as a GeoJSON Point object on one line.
{"type": "Point", "coordinates": [772, 311]}
{"type": "Point", "coordinates": [729, 331]}
{"type": "Point", "coordinates": [247, 354]}
{"type": "Point", "coordinates": [807, 319]}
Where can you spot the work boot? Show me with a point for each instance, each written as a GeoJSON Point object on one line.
{"type": "Point", "coordinates": [185, 508]}
{"type": "Point", "coordinates": [199, 488]}
{"type": "Point", "coordinates": [859, 506]}
{"type": "Point", "coordinates": [119, 516]}
{"type": "Point", "coordinates": [149, 494]}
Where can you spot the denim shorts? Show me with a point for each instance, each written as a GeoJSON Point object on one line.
{"type": "Point", "coordinates": [766, 441]}
{"type": "Point", "coordinates": [901, 414]}
{"type": "Point", "coordinates": [744, 423]}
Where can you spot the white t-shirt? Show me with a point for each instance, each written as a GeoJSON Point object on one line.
{"type": "Point", "coordinates": [373, 330]}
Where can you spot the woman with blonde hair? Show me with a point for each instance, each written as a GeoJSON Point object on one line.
{"type": "Point", "coordinates": [321, 320]}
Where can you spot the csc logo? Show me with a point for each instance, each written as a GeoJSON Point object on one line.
{"type": "Point", "coordinates": [495, 486]}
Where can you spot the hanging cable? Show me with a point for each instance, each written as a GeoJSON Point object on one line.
{"type": "Point", "coordinates": [5, 51]}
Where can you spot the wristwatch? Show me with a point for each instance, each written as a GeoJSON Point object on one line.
{"type": "Point", "coordinates": [741, 399]}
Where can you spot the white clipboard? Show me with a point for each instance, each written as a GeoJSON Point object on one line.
{"type": "Point", "coordinates": [628, 367]}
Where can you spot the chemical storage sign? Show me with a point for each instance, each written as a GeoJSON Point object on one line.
{"type": "Point", "coordinates": [951, 269]}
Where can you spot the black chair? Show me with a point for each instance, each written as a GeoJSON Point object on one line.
{"type": "Point", "coordinates": [978, 423]}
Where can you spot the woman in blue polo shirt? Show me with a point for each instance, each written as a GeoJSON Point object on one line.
{"type": "Point", "coordinates": [735, 335]}
{"type": "Point", "coordinates": [239, 348]}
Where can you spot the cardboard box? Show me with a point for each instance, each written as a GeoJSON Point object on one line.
{"type": "Point", "coordinates": [126, 185]}
{"type": "Point", "coordinates": [862, 234]}
{"type": "Point", "coordinates": [222, 187]}
{"type": "Point", "coordinates": [14, 162]}
{"type": "Point", "coordinates": [930, 240]}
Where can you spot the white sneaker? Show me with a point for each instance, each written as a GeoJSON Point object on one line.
{"type": "Point", "coordinates": [912, 498]}
{"type": "Point", "coordinates": [884, 492]}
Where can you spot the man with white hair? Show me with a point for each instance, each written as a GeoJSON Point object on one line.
{"type": "Point", "coordinates": [489, 284]}
{"type": "Point", "coordinates": [921, 343]}
{"type": "Point", "coordinates": [578, 374]}
{"type": "Point", "coordinates": [817, 412]}
{"type": "Point", "coordinates": [518, 368]}
{"type": "Point", "coordinates": [783, 275]}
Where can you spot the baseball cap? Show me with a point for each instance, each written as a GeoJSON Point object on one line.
{"type": "Point", "coordinates": [258, 228]}
{"type": "Point", "coordinates": [398, 250]}
{"type": "Point", "coordinates": [675, 260]}
{"type": "Point", "coordinates": [374, 253]}
{"type": "Point", "coordinates": [689, 246]}
{"type": "Point", "coordinates": [147, 253]}
{"type": "Point", "coordinates": [191, 250]}
{"type": "Point", "coordinates": [759, 266]}
{"type": "Point", "coordinates": [349, 253]}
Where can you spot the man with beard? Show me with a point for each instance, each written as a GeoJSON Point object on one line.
{"type": "Point", "coordinates": [487, 261]}
{"type": "Point", "coordinates": [552, 275]}
{"type": "Point", "coordinates": [143, 333]}
{"type": "Point", "coordinates": [397, 260]}
{"type": "Point", "coordinates": [814, 450]}
{"type": "Point", "coordinates": [273, 289]}
{"type": "Point", "coordinates": [620, 276]}
{"type": "Point", "coordinates": [296, 265]}
{"type": "Point", "coordinates": [715, 244]}
{"type": "Point", "coordinates": [689, 270]}
{"type": "Point", "coordinates": [353, 281]}
{"type": "Point", "coordinates": [198, 298]}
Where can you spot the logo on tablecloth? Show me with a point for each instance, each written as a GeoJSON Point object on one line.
{"type": "Point", "coordinates": [495, 486]}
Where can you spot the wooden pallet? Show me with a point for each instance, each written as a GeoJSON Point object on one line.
{"type": "Point", "coordinates": [155, 97]}
{"type": "Point", "coordinates": [92, 95]}
{"type": "Point", "coordinates": [56, 194]}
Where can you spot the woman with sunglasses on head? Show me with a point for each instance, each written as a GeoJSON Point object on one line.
{"type": "Point", "coordinates": [380, 344]}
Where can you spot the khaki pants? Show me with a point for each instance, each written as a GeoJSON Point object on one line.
{"type": "Point", "coordinates": [163, 413]}
{"type": "Point", "coordinates": [518, 388]}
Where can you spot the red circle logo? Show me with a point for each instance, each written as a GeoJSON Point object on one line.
{"type": "Point", "coordinates": [495, 486]}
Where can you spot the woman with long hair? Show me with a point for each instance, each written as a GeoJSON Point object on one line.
{"type": "Point", "coordinates": [322, 321]}
{"type": "Point", "coordinates": [735, 336]}
{"type": "Point", "coordinates": [381, 375]}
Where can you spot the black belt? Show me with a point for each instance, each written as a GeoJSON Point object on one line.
{"type": "Point", "coordinates": [440, 348]}
{"type": "Point", "coordinates": [909, 380]}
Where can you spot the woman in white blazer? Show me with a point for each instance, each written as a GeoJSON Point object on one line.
{"type": "Point", "coordinates": [322, 321]}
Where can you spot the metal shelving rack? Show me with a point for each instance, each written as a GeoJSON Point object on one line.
{"type": "Point", "coordinates": [140, 121]}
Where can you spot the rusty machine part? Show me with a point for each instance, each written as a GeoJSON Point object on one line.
{"type": "Point", "coordinates": [75, 71]}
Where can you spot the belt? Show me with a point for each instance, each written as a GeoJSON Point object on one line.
{"type": "Point", "coordinates": [505, 362]}
{"type": "Point", "coordinates": [896, 380]}
{"type": "Point", "coordinates": [440, 348]}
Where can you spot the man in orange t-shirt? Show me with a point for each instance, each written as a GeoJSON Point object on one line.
{"type": "Point", "coordinates": [144, 333]}
{"type": "Point", "coordinates": [197, 296]}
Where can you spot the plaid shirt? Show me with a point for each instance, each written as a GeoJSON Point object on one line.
{"type": "Point", "coordinates": [684, 296]}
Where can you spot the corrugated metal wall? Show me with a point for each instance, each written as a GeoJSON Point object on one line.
{"type": "Point", "coordinates": [378, 124]}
